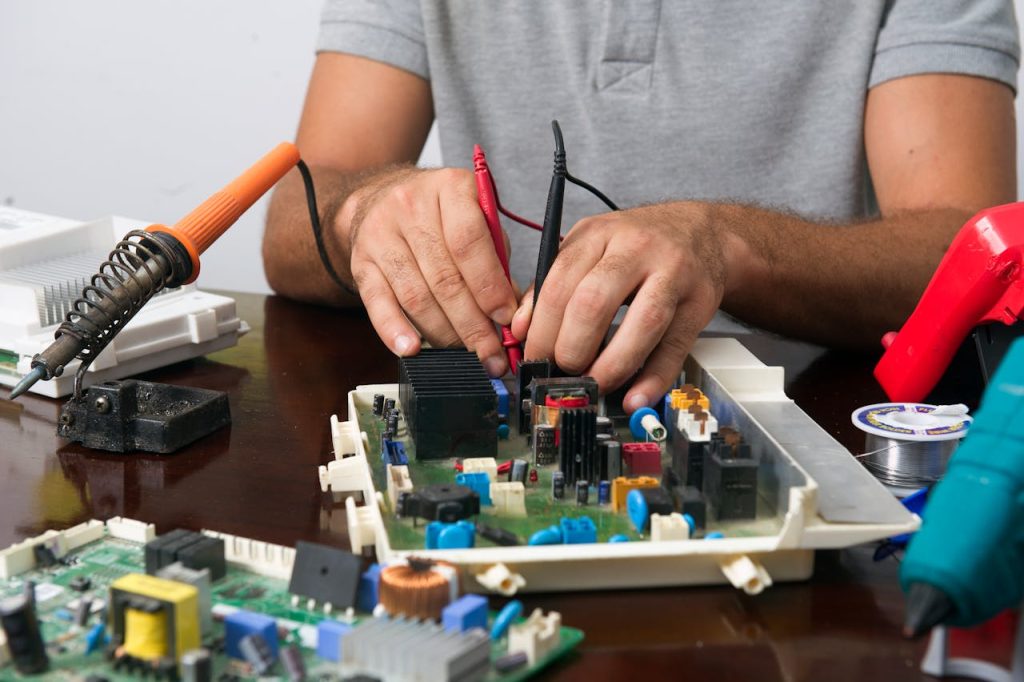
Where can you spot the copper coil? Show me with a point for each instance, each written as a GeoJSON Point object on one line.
{"type": "Point", "coordinates": [417, 590]}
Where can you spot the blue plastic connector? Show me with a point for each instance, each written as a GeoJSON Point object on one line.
{"type": "Point", "coordinates": [504, 619]}
{"type": "Point", "coordinates": [502, 393]}
{"type": "Point", "coordinates": [578, 531]}
{"type": "Point", "coordinates": [394, 453]}
{"type": "Point", "coordinates": [714, 535]}
{"type": "Point", "coordinates": [478, 482]}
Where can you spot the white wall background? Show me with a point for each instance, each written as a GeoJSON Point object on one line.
{"type": "Point", "coordinates": [144, 108]}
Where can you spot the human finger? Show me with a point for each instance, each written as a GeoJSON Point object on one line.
{"type": "Point", "coordinates": [645, 323]}
{"type": "Point", "coordinates": [472, 250]}
{"type": "Point", "coordinates": [384, 311]}
{"type": "Point", "coordinates": [666, 360]}
{"type": "Point", "coordinates": [573, 263]}
{"type": "Point", "coordinates": [592, 307]}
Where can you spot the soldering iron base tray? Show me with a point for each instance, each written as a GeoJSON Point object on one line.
{"type": "Point", "coordinates": [812, 494]}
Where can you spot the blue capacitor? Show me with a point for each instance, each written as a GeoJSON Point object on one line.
{"type": "Point", "coordinates": [96, 638]}
{"type": "Point", "coordinates": [691, 523]}
{"type": "Point", "coordinates": [715, 535]}
{"type": "Point", "coordinates": [636, 426]}
{"type": "Point", "coordinates": [458, 535]}
{"type": "Point", "coordinates": [619, 538]}
{"type": "Point", "coordinates": [505, 617]}
{"type": "Point", "coordinates": [503, 431]}
{"type": "Point", "coordinates": [604, 492]}
{"type": "Point", "coordinates": [637, 510]}
{"type": "Point", "coordinates": [552, 535]}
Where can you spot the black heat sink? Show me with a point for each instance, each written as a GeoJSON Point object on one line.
{"type": "Point", "coordinates": [449, 404]}
{"type": "Point", "coordinates": [577, 446]}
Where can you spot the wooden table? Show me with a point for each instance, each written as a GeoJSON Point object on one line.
{"type": "Point", "coordinates": [257, 479]}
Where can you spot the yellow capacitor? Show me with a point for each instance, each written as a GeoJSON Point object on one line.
{"type": "Point", "coordinates": [145, 633]}
{"type": "Point", "coordinates": [622, 486]}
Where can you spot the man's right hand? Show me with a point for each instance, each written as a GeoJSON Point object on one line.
{"type": "Point", "coordinates": [423, 262]}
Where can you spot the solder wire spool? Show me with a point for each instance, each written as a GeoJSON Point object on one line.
{"type": "Point", "coordinates": [417, 588]}
{"type": "Point", "coordinates": [908, 445]}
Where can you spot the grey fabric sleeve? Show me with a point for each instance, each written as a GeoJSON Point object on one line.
{"type": "Point", "coordinates": [388, 31]}
{"type": "Point", "coordinates": [972, 37]}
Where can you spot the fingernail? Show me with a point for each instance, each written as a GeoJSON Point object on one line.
{"type": "Point", "coordinates": [402, 344]}
{"type": "Point", "coordinates": [635, 402]}
{"type": "Point", "coordinates": [504, 315]}
{"type": "Point", "coordinates": [495, 367]}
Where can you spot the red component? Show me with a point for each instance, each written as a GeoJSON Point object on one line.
{"type": "Point", "coordinates": [566, 401]}
{"type": "Point", "coordinates": [505, 467]}
{"type": "Point", "coordinates": [642, 458]}
{"type": "Point", "coordinates": [488, 200]}
{"type": "Point", "coordinates": [533, 475]}
{"type": "Point", "coordinates": [978, 281]}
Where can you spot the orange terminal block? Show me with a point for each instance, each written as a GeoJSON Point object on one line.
{"type": "Point", "coordinates": [621, 487]}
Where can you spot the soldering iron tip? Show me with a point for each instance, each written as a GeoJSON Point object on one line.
{"type": "Point", "coordinates": [927, 606]}
{"type": "Point", "coordinates": [27, 381]}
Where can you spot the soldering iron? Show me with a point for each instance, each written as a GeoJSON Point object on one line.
{"type": "Point", "coordinates": [147, 261]}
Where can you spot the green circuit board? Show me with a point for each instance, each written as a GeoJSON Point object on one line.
{"type": "Point", "coordinates": [542, 510]}
{"type": "Point", "coordinates": [107, 559]}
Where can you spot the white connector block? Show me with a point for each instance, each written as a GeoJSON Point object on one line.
{"type": "Point", "coordinates": [537, 636]}
{"type": "Point", "coordinates": [20, 557]}
{"type": "Point", "coordinates": [487, 465]}
{"type": "Point", "coordinates": [654, 428]}
{"type": "Point", "coordinates": [666, 527]}
{"type": "Point", "coordinates": [399, 482]}
{"type": "Point", "coordinates": [697, 430]}
{"type": "Point", "coordinates": [745, 573]}
{"type": "Point", "coordinates": [130, 530]}
{"type": "Point", "coordinates": [498, 578]}
{"type": "Point", "coordinates": [343, 475]}
{"type": "Point", "coordinates": [509, 498]}
{"type": "Point", "coordinates": [264, 558]}
{"type": "Point", "coordinates": [361, 531]}
{"type": "Point", "coordinates": [344, 437]}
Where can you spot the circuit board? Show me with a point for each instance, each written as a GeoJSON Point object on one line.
{"type": "Point", "coordinates": [542, 510]}
{"type": "Point", "coordinates": [107, 559]}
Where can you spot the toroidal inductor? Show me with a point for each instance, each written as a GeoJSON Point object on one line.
{"type": "Point", "coordinates": [417, 589]}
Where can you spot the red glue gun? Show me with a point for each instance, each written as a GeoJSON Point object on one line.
{"type": "Point", "coordinates": [979, 280]}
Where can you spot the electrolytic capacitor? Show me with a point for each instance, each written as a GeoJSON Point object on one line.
{"type": "Point", "coordinates": [557, 485]}
{"type": "Point", "coordinates": [389, 404]}
{"type": "Point", "coordinates": [582, 492]}
{"type": "Point", "coordinates": [196, 666]}
{"type": "Point", "coordinates": [291, 658]}
{"type": "Point", "coordinates": [393, 424]}
{"type": "Point", "coordinates": [604, 492]}
{"type": "Point", "coordinates": [518, 470]}
{"type": "Point", "coordinates": [24, 638]}
{"type": "Point", "coordinates": [84, 608]}
{"type": "Point", "coordinates": [605, 426]}
{"type": "Point", "coordinates": [256, 653]}
{"type": "Point", "coordinates": [378, 404]}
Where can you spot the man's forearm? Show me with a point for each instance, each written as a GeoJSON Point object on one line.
{"type": "Point", "coordinates": [839, 285]}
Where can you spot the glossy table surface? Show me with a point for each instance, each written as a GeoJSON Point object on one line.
{"type": "Point", "coordinates": [257, 478]}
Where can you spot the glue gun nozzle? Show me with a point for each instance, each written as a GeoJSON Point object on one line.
{"type": "Point", "coordinates": [27, 381]}
{"type": "Point", "coordinates": [927, 606]}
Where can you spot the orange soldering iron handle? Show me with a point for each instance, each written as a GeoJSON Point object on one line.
{"type": "Point", "coordinates": [204, 225]}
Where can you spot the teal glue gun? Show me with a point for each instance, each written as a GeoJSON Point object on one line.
{"type": "Point", "coordinates": [966, 564]}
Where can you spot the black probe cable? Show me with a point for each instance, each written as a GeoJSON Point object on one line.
{"type": "Point", "coordinates": [553, 212]}
{"type": "Point", "coordinates": [318, 236]}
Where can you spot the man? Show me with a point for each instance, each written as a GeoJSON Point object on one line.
{"type": "Point", "coordinates": [801, 165]}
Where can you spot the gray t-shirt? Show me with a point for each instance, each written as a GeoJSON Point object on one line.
{"type": "Point", "coordinates": [754, 102]}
